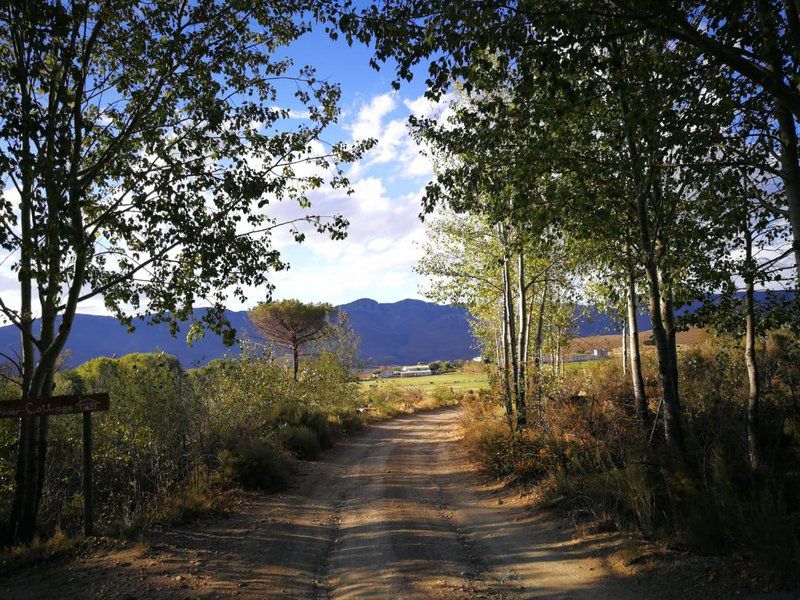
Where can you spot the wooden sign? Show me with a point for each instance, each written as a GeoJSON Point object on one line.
{"type": "Point", "coordinates": [55, 405]}
{"type": "Point", "coordinates": [66, 405]}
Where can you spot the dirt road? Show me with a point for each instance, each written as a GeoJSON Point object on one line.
{"type": "Point", "coordinates": [395, 512]}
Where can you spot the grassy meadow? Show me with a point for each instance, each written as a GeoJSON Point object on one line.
{"type": "Point", "coordinates": [457, 382]}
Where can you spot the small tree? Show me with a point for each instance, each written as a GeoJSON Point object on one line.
{"type": "Point", "coordinates": [291, 325]}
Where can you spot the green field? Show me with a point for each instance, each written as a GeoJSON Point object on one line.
{"type": "Point", "coordinates": [457, 381]}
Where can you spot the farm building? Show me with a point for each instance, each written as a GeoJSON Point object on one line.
{"type": "Point", "coordinates": [597, 354]}
{"type": "Point", "coordinates": [416, 371]}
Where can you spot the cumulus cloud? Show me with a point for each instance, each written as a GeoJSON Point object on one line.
{"type": "Point", "coordinates": [396, 153]}
{"type": "Point", "coordinates": [382, 247]}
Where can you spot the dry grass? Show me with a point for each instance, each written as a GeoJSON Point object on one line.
{"type": "Point", "coordinates": [388, 401]}
{"type": "Point", "coordinates": [613, 342]}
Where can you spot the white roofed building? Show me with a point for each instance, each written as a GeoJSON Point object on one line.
{"type": "Point", "coordinates": [416, 371]}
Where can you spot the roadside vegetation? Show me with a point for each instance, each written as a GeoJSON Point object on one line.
{"type": "Point", "coordinates": [178, 443]}
{"type": "Point", "coordinates": [587, 457]}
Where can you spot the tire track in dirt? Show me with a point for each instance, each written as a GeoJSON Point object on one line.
{"type": "Point", "coordinates": [323, 587]}
{"type": "Point", "coordinates": [482, 581]}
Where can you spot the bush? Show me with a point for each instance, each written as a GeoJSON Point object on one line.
{"type": "Point", "coordinates": [349, 422]}
{"type": "Point", "coordinates": [299, 416]}
{"type": "Point", "coordinates": [300, 441]}
{"type": "Point", "coordinates": [488, 437]}
{"type": "Point", "coordinates": [257, 465]}
{"type": "Point", "coordinates": [587, 454]}
{"type": "Point", "coordinates": [167, 425]}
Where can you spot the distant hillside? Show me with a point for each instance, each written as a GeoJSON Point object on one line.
{"type": "Point", "coordinates": [397, 333]}
{"type": "Point", "coordinates": [592, 323]}
{"type": "Point", "coordinates": [404, 332]}
{"type": "Point", "coordinates": [410, 331]}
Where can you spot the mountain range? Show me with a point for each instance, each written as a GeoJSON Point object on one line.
{"type": "Point", "coordinates": [404, 332]}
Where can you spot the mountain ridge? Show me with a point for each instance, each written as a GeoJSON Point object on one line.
{"type": "Point", "coordinates": [403, 332]}
{"type": "Point", "coordinates": [407, 331]}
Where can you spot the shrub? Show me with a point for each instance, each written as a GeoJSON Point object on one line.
{"type": "Point", "coordinates": [257, 465]}
{"type": "Point", "coordinates": [299, 416]}
{"type": "Point", "coordinates": [167, 425]}
{"type": "Point", "coordinates": [300, 441]}
{"type": "Point", "coordinates": [319, 424]}
{"type": "Point", "coordinates": [349, 422]}
{"type": "Point", "coordinates": [589, 455]}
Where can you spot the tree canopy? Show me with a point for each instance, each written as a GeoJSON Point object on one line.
{"type": "Point", "coordinates": [291, 325]}
{"type": "Point", "coordinates": [142, 144]}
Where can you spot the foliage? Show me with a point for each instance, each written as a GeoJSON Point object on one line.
{"type": "Point", "coordinates": [300, 440]}
{"type": "Point", "coordinates": [256, 465]}
{"type": "Point", "coordinates": [587, 457]}
{"type": "Point", "coordinates": [658, 143]}
{"type": "Point", "coordinates": [291, 325]}
{"type": "Point", "coordinates": [141, 143]}
{"type": "Point", "coordinates": [288, 416]}
{"type": "Point", "coordinates": [174, 441]}
{"type": "Point", "coordinates": [388, 398]}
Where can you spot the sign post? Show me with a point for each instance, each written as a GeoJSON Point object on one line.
{"type": "Point", "coordinates": [88, 513]}
{"type": "Point", "coordinates": [66, 405]}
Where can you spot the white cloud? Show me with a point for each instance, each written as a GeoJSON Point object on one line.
{"type": "Point", "coordinates": [383, 243]}
{"type": "Point", "coordinates": [370, 116]}
{"type": "Point", "coordinates": [383, 119]}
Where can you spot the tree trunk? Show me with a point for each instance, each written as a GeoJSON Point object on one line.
{"type": "Point", "coordinates": [295, 360]}
{"type": "Point", "coordinates": [506, 373]}
{"type": "Point", "coordinates": [790, 173]}
{"type": "Point", "coordinates": [668, 318]}
{"type": "Point", "coordinates": [540, 327]}
{"type": "Point", "coordinates": [22, 520]}
{"type": "Point", "coordinates": [509, 316]}
{"type": "Point", "coordinates": [558, 352]}
{"type": "Point", "coordinates": [624, 349]}
{"type": "Point", "coordinates": [522, 412]}
{"type": "Point", "coordinates": [787, 129]}
{"type": "Point", "coordinates": [537, 357]}
{"type": "Point", "coordinates": [667, 370]}
{"type": "Point", "coordinates": [42, 442]}
{"type": "Point", "coordinates": [754, 384]}
{"type": "Point", "coordinates": [673, 431]}
{"type": "Point", "coordinates": [634, 352]}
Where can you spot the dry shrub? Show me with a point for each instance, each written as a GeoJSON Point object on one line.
{"type": "Point", "coordinates": [587, 453]}
{"type": "Point", "coordinates": [489, 438]}
{"type": "Point", "coordinates": [347, 422]}
{"type": "Point", "coordinates": [390, 400]}
{"type": "Point", "coordinates": [294, 415]}
{"type": "Point", "coordinates": [300, 441]}
{"type": "Point", "coordinates": [56, 546]}
{"type": "Point", "coordinates": [256, 465]}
